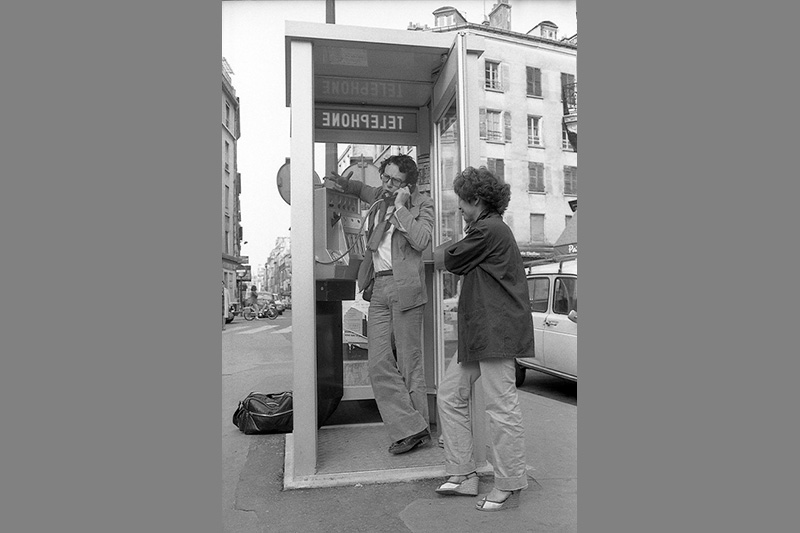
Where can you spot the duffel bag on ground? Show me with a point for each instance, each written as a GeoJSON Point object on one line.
{"type": "Point", "coordinates": [264, 413]}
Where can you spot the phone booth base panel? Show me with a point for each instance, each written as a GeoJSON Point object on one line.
{"type": "Point", "coordinates": [330, 376]}
{"type": "Point", "coordinates": [359, 454]}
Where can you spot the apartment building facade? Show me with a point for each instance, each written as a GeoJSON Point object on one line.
{"type": "Point", "coordinates": [522, 135]}
{"type": "Point", "coordinates": [231, 233]}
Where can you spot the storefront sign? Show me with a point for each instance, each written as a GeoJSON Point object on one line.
{"type": "Point", "coordinates": [364, 120]}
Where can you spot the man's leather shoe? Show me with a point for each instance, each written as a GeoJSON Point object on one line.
{"type": "Point", "coordinates": [409, 443]}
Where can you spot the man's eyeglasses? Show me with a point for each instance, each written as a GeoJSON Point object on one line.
{"type": "Point", "coordinates": [395, 181]}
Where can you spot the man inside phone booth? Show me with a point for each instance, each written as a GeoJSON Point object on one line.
{"type": "Point", "coordinates": [392, 278]}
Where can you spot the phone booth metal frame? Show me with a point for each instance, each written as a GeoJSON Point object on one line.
{"type": "Point", "coordinates": [317, 56]}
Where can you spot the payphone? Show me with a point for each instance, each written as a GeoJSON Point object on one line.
{"type": "Point", "coordinates": [338, 225]}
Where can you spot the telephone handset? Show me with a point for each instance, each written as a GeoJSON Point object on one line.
{"type": "Point", "coordinates": [389, 197]}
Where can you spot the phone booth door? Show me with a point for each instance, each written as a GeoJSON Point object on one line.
{"type": "Point", "coordinates": [456, 145]}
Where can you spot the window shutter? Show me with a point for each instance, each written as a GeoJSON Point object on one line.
{"type": "Point", "coordinates": [541, 176]}
{"type": "Point", "coordinates": [570, 180]}
{"type": "Point", "coordinates": [504, 77]}
{"type": "Point", "coordinates": [482, 114]}
{"type": "Point", "coordinates": [535, 177]}
{"type": "Point", "coordinates": [566, 79]}
{"type": "Point", "coordinates": [507, 124]}
{"type": "Point", "coordinates": [500, 169]}
{"type": "Point", "coordinates": [529, 83]}
{"type": "Point", "coordinates": [537, 82]}
{"type": "Point", "coordinates": [531, 177]}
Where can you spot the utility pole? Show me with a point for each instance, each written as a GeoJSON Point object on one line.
{"type": "Point", "coordinates": [331, 149]}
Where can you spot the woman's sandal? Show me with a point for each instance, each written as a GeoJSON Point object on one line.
{"type": "Point", "coordinates": [468, 486]}
{"type": "Point", "coordinates": [511, 502]}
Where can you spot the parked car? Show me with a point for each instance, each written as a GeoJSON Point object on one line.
{"type": "Point", "coordinates": [553, 290]}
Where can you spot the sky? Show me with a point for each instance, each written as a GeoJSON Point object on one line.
{"type": "Point", "coordinates": [253, 45]}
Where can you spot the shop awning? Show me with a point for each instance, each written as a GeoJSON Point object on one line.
{"type": "Point", "coordinates": [566, 247]}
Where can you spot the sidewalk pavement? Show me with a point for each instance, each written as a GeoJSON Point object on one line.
{"type": "Point", "coordinates": [366, 502]}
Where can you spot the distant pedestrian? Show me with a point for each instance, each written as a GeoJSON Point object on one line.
{"type": "Point", "coordinates": [254, 297]}
{"type": "Point", "coordinates": [494, 327]}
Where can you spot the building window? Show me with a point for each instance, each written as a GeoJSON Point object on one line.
{"type": "Point", "coordinates": [493, 76]}
{"type": "Point", "coordinates": [496, 167]}
{"type": "Point", "coordinates": [537, 228]}
{"type": "Point", "coordinates": [571, 180]}
{"type": "Point", "coordinates": [227, 115]}
{"type": "Point", "coordinates": [539, 293]}
{"type": "Point", "coordinates": [534, 131]}
{"type": "Point", "coordinates": [227, 156]}
{"type": "Point", "coordinates": [227, 234]}
{"type": "Point", "coordinates": [445, 20]}
{"type": "Point", "coordinates": [227, 197]}
{"type": "Point", "coordinates": [494, 131]}
{"type": "Point", "coordinates": [565, 144]}
{"type": "Point", "coordinates": [566, 80]}
{"type": "Point", "coordinates": [534, 85]}
{"type": "Point", "coordinates": [535, 177]}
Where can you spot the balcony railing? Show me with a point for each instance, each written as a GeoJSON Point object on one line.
{"type": "Point", "coordinates": [569, 95]}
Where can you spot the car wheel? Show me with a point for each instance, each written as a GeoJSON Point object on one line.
{"type": "Point", "coordinates": [519, 374]}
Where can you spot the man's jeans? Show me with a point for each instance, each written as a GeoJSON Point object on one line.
{"type": "Point", "coordinates": [399, 386]}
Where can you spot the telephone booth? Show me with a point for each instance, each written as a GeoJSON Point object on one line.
{"type": "Point", "coordinates": [348, 84]}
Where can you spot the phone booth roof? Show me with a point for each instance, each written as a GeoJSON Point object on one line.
{"type": "Point", "coordinates": [369, 83]}
{"type": "Point", "coordinates": [370, 55]}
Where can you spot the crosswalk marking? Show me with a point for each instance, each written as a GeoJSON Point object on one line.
{"type": "Point", "coordinates": [255, 330]}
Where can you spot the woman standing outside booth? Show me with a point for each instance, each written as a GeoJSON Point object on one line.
{"type": "Point", "coordinates": [494, 327]}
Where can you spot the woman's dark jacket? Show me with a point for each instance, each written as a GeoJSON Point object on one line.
{"type": "Point", "coordinates": [494, 313]}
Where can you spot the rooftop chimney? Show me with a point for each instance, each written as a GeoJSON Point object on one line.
{"type": "Point", "coordinates": [500, 16]}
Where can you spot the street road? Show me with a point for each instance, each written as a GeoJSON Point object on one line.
{"type": "Point", "coordinates": [542, 384]}
{"type": "Point", "coordinates": [257, 356]}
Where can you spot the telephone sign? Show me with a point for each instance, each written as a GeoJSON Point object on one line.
{"type": "Point", "coordinates": [364, 119]}
{"type": "Point", "coordinates": [336, 89]}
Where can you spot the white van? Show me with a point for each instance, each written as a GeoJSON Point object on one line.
{"type": "Point", "coordinates": [553, 292]}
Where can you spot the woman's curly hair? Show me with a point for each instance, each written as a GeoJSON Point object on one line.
{"type": "Point", "coordinates": [481, 183]}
